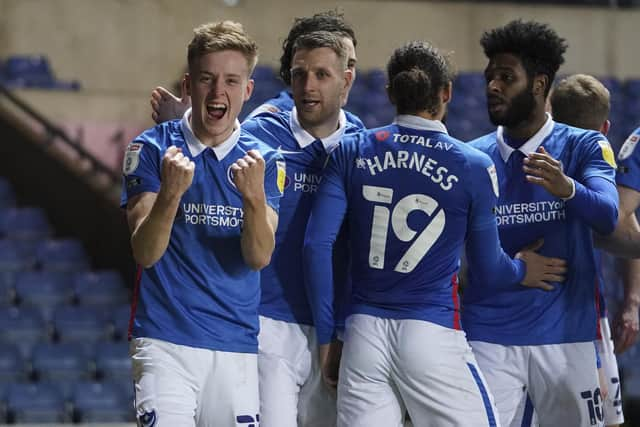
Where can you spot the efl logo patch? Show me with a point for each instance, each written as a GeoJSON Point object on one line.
{"type": "Point", "coordinates": [131, 158]}
{"type": "Point", "coordinates": [607, 153]}
{"type": "Point", "coordinates": [627, 148]}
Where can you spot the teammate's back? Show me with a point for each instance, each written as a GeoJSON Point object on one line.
{"type": "Point", "coordinates": [414, 188]}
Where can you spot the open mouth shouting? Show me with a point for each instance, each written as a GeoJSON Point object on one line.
{"type": "Point", "coordinates": [216, 111]}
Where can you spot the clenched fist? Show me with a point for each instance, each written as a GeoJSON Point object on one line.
{"type": "Point", "coordinates": [177, 172]}
{"type": "Point", "coordinates": [248, 175]}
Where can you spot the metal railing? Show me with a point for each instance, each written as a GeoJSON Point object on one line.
{"type": "Point", "coordinates": [53, 131]}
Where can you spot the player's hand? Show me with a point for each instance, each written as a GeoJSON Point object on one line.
{"type": "Point", "coordinates": [166, 106]}
{"type": "Point", "coordinates": [177, 172]}
{"type": "Point", "coordinates": [544, 170]}
{"type": "Point", "coordinates": [625, 327]}
{"type": "Point", "coordinates": [248, 175]}
{"type": "Point", "coordinates": [330, 355]}
{"type": "Point", "coordinates": [541, 269]}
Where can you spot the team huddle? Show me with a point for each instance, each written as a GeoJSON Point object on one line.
{"type": "Point", "coordinates": [298, 269]}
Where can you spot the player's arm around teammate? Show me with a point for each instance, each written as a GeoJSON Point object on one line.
{"type": "Point", "coordinates": [150, 215]}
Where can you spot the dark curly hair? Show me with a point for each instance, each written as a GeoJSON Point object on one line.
{"type": "Point", "coordinates": [537, 45]}
{"type": "Point", "coordinates": [417, 72]}
{"type": "Point", "coordinates": [330, 21]}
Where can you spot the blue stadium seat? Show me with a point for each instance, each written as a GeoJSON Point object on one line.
{"type": "Point", "coordinates": [27, 223]}
{"type": "Point", "coordinates": [23, 327]}
{"type": "Point", "coordinates": [60, 362]}
{"type": "Point", "coordinates": [66, 255]}
{"type": "Point", "coordinates": [120, 321]}
{"type": "Point", "coordinates": [28, 71]}
{"type": "Point", "coordinates": [100, 288]}
{"type": "Point", "coordinates": [95, 402]}
{"type": "Point", "coordinates": [35, 403]}
{"type": "Point", "coordinates": [79, 324]}
{"type": "Point", "coordinates": [113, 361]}
{"type": "Point", "coordinates": [44, 290]}
{"type": "Point", "coordinates": [12, 365]}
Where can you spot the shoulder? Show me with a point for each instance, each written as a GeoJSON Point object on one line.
{"type": "Point", "coordinates": [158, 138]}
{"type": "Point", "coordinates": [484, 142]}
{"type": "Point", "coordinates": [248, 141]}
{"type": "Point", "coordinates": [354, 120]}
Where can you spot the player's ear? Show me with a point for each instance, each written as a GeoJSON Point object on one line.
{"type": "Point", "coordinates": [348, 80]}
{"type": "Point", "coordinates": [447, 93]}
{"type": "Point", "coordinates": [604, 129]}
{"type": "Point", "coordinates": [248, 89]}
{"type": "Point", "coordinates": [540, 83]}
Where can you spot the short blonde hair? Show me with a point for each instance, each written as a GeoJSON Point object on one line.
{"type": "Point", "coordinates": [219, 36]}
{"type": "Point", "coordinates": [580, 100]}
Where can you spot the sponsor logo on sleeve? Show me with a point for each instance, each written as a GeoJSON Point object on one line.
{"type": "Point", "coordinates": [282, 176]}
{"type": "Point", "coordinates": [131, 158]}
{"type": "Point", "coordinates": [493, 175]}
{"type": "Point", "coordinates": [628, 146]}
{"type": "Point", "coordinates": [607, 153]}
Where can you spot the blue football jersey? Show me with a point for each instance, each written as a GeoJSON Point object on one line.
{"type": "Point", "coordinates": [283, 292]}
{"type": "Point", "coordinates": [411, 195]}
{"type": "Point", "coordinates": [526, 213]}
{"type": "Point", "coordinates": [200, 293]}
{"type": "Point", "coordinates": [284, 102]}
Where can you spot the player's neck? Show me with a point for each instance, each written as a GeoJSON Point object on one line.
{"type": "Point", "coordinates": [429, 116]}
{"type": "Point", "coordinates": [527, 128]}
{"type": "Point", "coordinates": [208, 139]}
{"type": "Point", "coordinates": [324, 129]}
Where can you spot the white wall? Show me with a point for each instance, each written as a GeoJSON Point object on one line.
{"type": "Point", "coordinates": [121, 49]}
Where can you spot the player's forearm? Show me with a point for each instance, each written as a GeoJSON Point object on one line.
{"type": "Point", "coordinates": [631, 281]}
{"type": "Point", "coordinates": [258, 233]}
{"type": "Point", "coordinates": [151, 237]}
{"type": "Point", "coordinates": [624, 242]}
{"type": "Point", "coordinates": [488, 263]}
{"type": "Point", "coordinates": [596, 203]}
{"type": "Point", "coordinates": [318, 278]}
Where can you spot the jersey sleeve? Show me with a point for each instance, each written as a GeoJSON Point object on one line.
{"type": "Point", "coordinates": [141, 169]}
{"type": "Point", "coordinates": [628, 173]}
{"type": "Point", "coordinates": [595, 199]}
{"type": "Point", "coordinates": [596, 157]}
{"type": "Point", "coordinates": [486, 260]}
{"type": "Point", "coordinates": [327, 214]}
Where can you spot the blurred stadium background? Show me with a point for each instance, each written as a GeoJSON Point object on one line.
{"type": "Point", "coordinates": [75, 79]}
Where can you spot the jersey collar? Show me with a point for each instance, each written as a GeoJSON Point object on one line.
{"type": "Point", "coordinates": [528, 147]}
{"type": "Point", "coordinates": [196, 147]}
{"type": "Point", "coordinates": [304, 138]}
{"type": "Point", "coordinates": [420, 123]}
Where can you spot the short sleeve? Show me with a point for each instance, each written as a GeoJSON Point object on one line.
{"type": "Point", "coordinates": [140, 170]}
